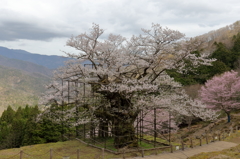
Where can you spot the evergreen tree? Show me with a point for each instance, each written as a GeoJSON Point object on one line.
{"type": "Point", "coordinates": [33, 132]}
{"type": "Point", "coordinates": [223, 54]}
{"type": "Point", "coordinates": [8, 115]}
{"type": "Point", "coordinates": [198, 75]}
{"type": "Point", "coordinates": [236, 44]}
{"type": "Point", "coordinates": [17, 132]}
{"type": "Point", "coordinates": [236, 50]}
{"type": "Point", "coordinates": [4, 132]}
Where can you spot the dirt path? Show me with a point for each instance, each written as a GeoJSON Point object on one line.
{"type": "Point", "coordinates": [214, 146]}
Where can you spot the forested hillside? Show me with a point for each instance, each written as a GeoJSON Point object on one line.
{"type": "Point", "coordinates": [223, 35]}
{"type": "Point", "coordinates": [18, 88]}
{"type": "Point", "coordinates": [23, 76]}
{"type": "Point", "coordinates": [224, 45]}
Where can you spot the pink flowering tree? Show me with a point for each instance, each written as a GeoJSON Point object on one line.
{"type": "Point", "coordinates": [222, 92]}
{"type": "Point", "coordinates": [128, 74]}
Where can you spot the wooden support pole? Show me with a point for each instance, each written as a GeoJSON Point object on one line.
{"type": "Point", "coordinates": [123, 154]}
{"type": "Point", "coordinates": [171, 148]}
{"type": "Point", "coordinates": [200, 140]}
{"type": "Point", "coordinates": [103, 153]}
{"type": "Point", "coordinates": [206, 139]}
{"type": "Point", "coordinates": [155, 127]}
{"type": "Point", "coordinates": [191, 143]}
{"type": "Point", "coordinates": [142, 153]}
{"type": "Point", "coordinates": [21, 154]}
{"type": "Point", "coordinates": [206, 136]}
{"type": "Point", "coordinates": [182, 146]}
{"type": "Point", "coordinates": [51, 154]}
{"type": "Point", "coordinates": [78, 154]}
{"type": "Point", "coordinates": [105, 143]}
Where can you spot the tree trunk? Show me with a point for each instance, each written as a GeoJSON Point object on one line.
{"type": "Point", "coordinates": [124, 134]}
{"type": "Point", "coordinates": [122, 115]}
{"type": "Point", "coordinates": [103, 129]}
{"type": "Point", "coordinates": [228, 116]}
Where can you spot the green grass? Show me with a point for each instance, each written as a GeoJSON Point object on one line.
{"type": "Point", "coordinates": [109, 144]}
{"type": "Point", "coordinates": [59, 149]}
{"type": "Point", "coordinates": [151, 138]}
{"type": "Point", "coordinates": [67, 148]}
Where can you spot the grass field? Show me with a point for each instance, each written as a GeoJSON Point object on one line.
{"type": "Point", "coordinates": [70, 149]}
{"type": "Point", "coordinates": [67, 148]}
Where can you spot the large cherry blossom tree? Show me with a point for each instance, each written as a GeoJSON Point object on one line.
{"type": "Point", "coordinates": [222, 92]}
{"type": "Point", "coordinates": [129, 75]}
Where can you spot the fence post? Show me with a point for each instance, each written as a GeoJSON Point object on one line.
{"type": "Point", "coordinates": [200, 141]}
{"type": "Point", "coordinates": [103, 153]}
{"type": "Point", "coordinates": [206, 138]}
{"type": "Point", "coordinates": [142, 153]}
{"type": "Point", "coordinates": [191, 143]}
{"type": "Point", "coordinates": [171, 147]}
{"type": "Point", "coordinates": [21, 154]}
{"type": "Point", "coordinates": [78, 154]}
{"type": "Point", "coordinates": [124, 154]}
{"type": "Point", "coordinates": [51, 155]}
{"type": "Point", "coordinates": [182, 145]}
{"type": "Point", "coordinates": [105, 143]}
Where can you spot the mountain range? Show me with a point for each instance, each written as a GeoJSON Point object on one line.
{"type": "Point", "coordinates": [27, 67]}
{"type": "Point", "coordinates": [23, 76]}
{"type": "Point", "coordinates": [50, 62]}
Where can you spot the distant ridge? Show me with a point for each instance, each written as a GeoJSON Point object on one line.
{"type": "Point", "coordinates": [51, 62]}
{"type": "Point", "coordinates": [28, 67]}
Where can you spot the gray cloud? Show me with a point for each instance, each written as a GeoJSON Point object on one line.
{"type": "Point", "coordinates": [20, 30]}
{"type": "Point", "coordinates": [120, 17]}
{"type": "Point", "coordinates": [46, 20]}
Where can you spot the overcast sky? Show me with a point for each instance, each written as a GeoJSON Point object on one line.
{"type": "Point", "coordinates": [44, 26]}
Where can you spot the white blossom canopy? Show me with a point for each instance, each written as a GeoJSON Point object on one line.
{"type": "Point", "coordinates": [132, 69]}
